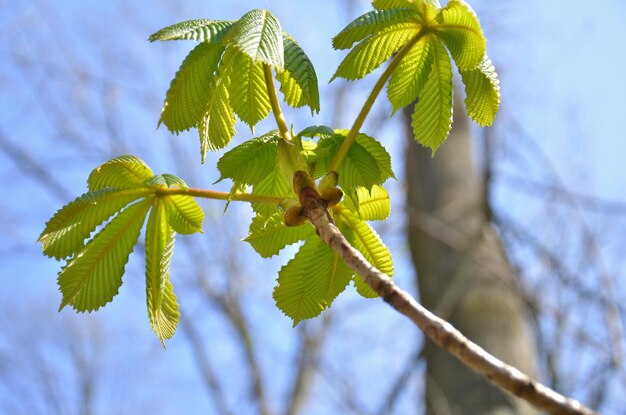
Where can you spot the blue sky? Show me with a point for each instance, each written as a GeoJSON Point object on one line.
{"type": "Point", "coordinates": [560, 65]}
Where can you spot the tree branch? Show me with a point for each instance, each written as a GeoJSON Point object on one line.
{"type": "Point", "coordinates": [438, 330]}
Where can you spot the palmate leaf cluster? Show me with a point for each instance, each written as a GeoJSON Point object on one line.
{"type": "Point", "coordinates": [424, 37]}
{"type": "Point", "coordinates": [121, 194]}
{"type": "Point", "coordinates": [225, 76]}
{"type": "Point", "coordinates": [230, 74]}
{"type": "Point", "coordinates": [309, 282]}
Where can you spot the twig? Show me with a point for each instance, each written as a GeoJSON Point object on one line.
{"type": "Point", "coordinates": [438, 330]}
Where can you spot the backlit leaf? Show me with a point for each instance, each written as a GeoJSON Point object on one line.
{"type": "Point", "coordinates": [92, 278]}
{"type": "Point", "coordinates": [298, 81]}
{"type": "Point", "coordinates": [66, 231]}
{"type": "Point", "coordinates": [258, 34]}
{"type": "Point", "coordinates": [274, 184]}
{"type": "Point", "coordinates": [123, 172]}
{"type": "Point", "coordinates": [432, 117]}
{"type": "Point", "coordinates": [372, 205]}
{"type": "Point", "coordinates": [374, 50]}
{"type": "Point", "coordinates": [368, 24]}
{"type": "Point", "coordinates": [460, 30]}
{"type": "Point", "coordinates": [247, 89]}
{"type": "Point", "coordinates": [409, 78]}
{"type": "Point", "coordinates": [184, 214]}
{"type": "Point", "coordinates": [362, 237]}
{"type": "Point", "coordinates": [482, 90]}
{"type": "Point", "coordinates": [252, 161]}
{"type": "Point", "coordinates": [310, 282]}
{"type": "Point", "coordinates": [268, 235]}
{"type": "Point", "coordinates": [186, 99]}
{"type": "Point", "coordinates": [217, 127]}
{"type": "Point", "coordinates": [201, 29]}
{"type": "Point", "coordinates": [160, 298]}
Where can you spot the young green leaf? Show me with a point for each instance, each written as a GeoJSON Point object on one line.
{"type": "Point", "coordinates": [93, 277]}
{"type": "Point", "coordinates": [247, 89]}
{"type": "Point", "coordinates": [394, 4]}
{"type": "Point", "coordinates": [432, 117]}
{"type": "Point", "coordinates": [184, 214]}
{"type": "Point", "coordinates": [368, 24]}
{"type": "Point", "coordinates": [366, 164]}
{"type": "Point", "coordinates": [298, 81]}
{"type": "Point", "coordinates": [203, 30]}
{"type": "Point", "coordinates": [374, 50]}
{"type": "Point", "coordinates": [123, 172]}
{"type": "Point", "coordinates": [460, 30]}
{"type": "Point", "coordinates": [66, 231]}
{"type": "Point", "coordinates": [160, 298]}
{"type": "Point", "coordinates": [362, 237]}
{"type": "Point", "coordinates": [273, 185]}
{"type": "Point", "coordinates": [317, 131]}
{"type": "Point", "coordinates": [409, 78]}
{"type": "Point", "coordinates": [372, 204]}
{"type": "Point", "coordinates": [217, 126]}
{"type": "Point", "coordinates": [310, 282]}
{"type": "Point", "coordinates": [482, 90]}
{"type": "Point", "coordinates": [252, 161]}
{"type": "Point", "coordinates": [268, 235]}
{"type": "Point", "coordinates": [258, 34]}
{"type": "Point", "coordinates": [186, 99]}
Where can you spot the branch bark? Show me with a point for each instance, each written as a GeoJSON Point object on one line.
{"type": "Point", "coordinates": [438, 330]}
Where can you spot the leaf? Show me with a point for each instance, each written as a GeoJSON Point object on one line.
{"type": "Point", "coordinates": [482, 90]}
{"type": "Point", "coordinates": [247, 89]}
{"type": "Point", "coordinates": [374, 50]}
{"type": "Point", "coordinates": [309, 282]}
{"type": "Point", "coordinates": [432, 117]}
{"type": "Point", "coordinates": [93, 277]}
{"type": "Point", "coordinates": [66, 231]}
{"type": "Point", "coordinates": [268, 235]}
{"type": "Point", "coordinates": [210, 31]}
{"type": "Point", "coordinates": [362, 237]}
{"type": "Point", "coordinates": [217, 127]}
{"type": "Point", "coordinates": [409, 78]}
{"type": "Point", "coordinates": [316, 131]}
{"type": "Point", "coordinates": [460, 30]}
{"type": "Point", "coordinates": [184, 213]}
{"type": "Point", "coordinates": [273, 185]}
{"type": "Point", "coordinates": [123, 172]}
{"type": "Point", "coordinates": [372, 205]}
{"type": "Point", "coordinates": [368, 24]}
{"type": "Point", "coordinates": [298, 81]}
{"type": "Point", "coordinates": [160, 298]}
{"type": "Point", "coordinates": [251, 161]}
{"type": "Point", "coordinates": [258, 35]}
{"type": "Point", "coordinates": [366, 164]}
{"type": "Point", "coordinates": [394, 4]}
{"type": "Point", "coordinates": [186, 99]}
{"type": "Point", "coordinates": [166, 180]}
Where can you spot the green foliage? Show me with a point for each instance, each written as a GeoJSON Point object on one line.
{"type": "Point", "coordinates": [432, 118]}
{"type": "Point", "coordinates": [125, 190]}
{"type": "Point", "coordinates": [421, 34]}
{"type": "Point", "coordinates": [310, 282]}
{"type": "Point", "coordinates": [298, 80]}
{"type": "Point", "coordinates": [229, 74]}
{"type": "Point", "coordinates": [224, 75]}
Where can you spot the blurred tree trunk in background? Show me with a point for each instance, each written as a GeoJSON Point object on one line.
{"type": "Point", "coordinates": [463, 274]}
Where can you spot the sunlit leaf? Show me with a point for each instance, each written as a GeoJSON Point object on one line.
{"type": "Point", "coordinates": [184, 213]}
{"type": "Point", "coordinates": [258, 34]}
{"type": "Point", "coordinates": [374, 50]}
{"type": "Point", "coordinates": [252, 161]}
{"type": "Point", "coordinates": [460, 30]}
{"type": "Point", "coordinates": [268, 235]}
{"type": "Point", "coordinates": [482, 90]}
{"type": "Point", "coordinates": [92, 278]}
{"type": "Point", "coordinates": [432, 117]}
{"type": "Point", "coordinates": [123, 172]}
{"type": "Point", "coordinates": [186, 99]}
{"type": "Point", "coordinates": [362, 237]}
{"type": "Point", "coordinates": [372, 205]}
{"type": "Point", "coordinates": [201, 29]}
{"type": "Point", "coordinates": [298, 81]}
{"type": "Point", "coordinates": [368, 24]}
{"type": "Point", "coordinates": [247, 89]}
{"type": "Point", "coordinates": [160, 298]}
{"type": "Point", "coordinates": [309, 282]}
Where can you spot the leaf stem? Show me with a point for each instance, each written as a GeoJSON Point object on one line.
{"type": "Point", "coordinates": [214, 194]}
{"type": "Point", "coordinates": [278, 114]}
{"type": "Point", "coordinates": [367, 106]}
